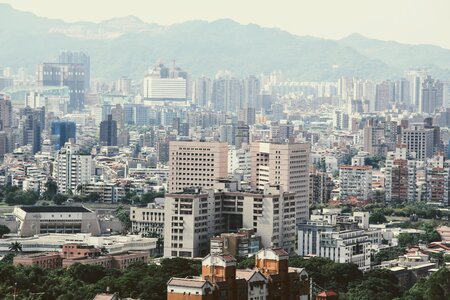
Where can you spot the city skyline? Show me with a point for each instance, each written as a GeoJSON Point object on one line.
{"type": "Point", "coordinates": [325, 19]}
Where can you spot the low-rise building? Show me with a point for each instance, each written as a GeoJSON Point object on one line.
{"type": "Point", "coordinates": [114, 244]}
{"type": "Point", "coordinates": [147, 220]}
{"type": "Point", "coordinates": [240, 244]}
{"type": "Point", "coordinates": [46, 260]}
{"type": "Point", "coordinates": [56, 219]}
{"type": "Point", "coordinates": [270, 279]}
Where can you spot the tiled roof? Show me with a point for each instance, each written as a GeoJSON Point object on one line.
{"type": "Point", "coordinates": [187, 282]}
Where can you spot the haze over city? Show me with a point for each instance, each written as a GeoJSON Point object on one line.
{"type": "Point", "coordinates": [406, 21]}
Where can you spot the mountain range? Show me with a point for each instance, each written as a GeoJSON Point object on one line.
{"type": "Point", "coordinates": [128, 46]}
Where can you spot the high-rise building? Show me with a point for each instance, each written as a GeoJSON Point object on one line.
{"type": "Point", "coordinates": [227, 94]}
{"type": "Point", "coordinates": [416, 78]}
{"type": "Point", "coordinates": [251, 91]}
{"type": "Point", "coordinates": [286, 165]}
{"type": "Point", "coordinates": [419, 140]}
{"type": "Point", "coordinates": [203, 91]}
{"type": "Point", "coordinates": [384, 95]}
{"type": "Point", "coordinates": [71, 168]}
{"type": "Point", "coordinates": [164, 85]}
{"type": "Point", "coordinates": [432, 95]}
{"type": "Point", "coordinates": [355, 181]}
{"type": "Point", "coordinates": [5, 112]}
{"type": "Point", "coordinates": [65, 74]}
{"type": "Point", "coordinates": [194, 216]}
{"type": "Point", "coordinates": [196, 164]}
{"type": "Point", "coordinates": [62, 131]}
{"type": "Point", "coordinates": [81, 58]}
{"type": "Point", "coordinates": [123, 85]}
{"type": "Point", "coordinates": [108, 132]}
{"type": "Point", "coordinates": [32, 124]}
{"type": "Point", "coordinates": [247, 115]}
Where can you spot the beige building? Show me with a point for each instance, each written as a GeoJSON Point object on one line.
{"type": "Point", "coordinates": [55, 219]}
{"type": "Point", "coordinates": [196, 164]}
{"type": "Point", "coordinates": [192, 218]}
{"type": "Point", "coordinates": [148, 219]}
{"type": "Point", "coordinates": [286, 165]}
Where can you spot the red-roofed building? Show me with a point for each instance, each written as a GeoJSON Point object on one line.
{"type": "Point", "coordinates": [327, 295]}
{"type": "Point", "coordinates": [271, 279]}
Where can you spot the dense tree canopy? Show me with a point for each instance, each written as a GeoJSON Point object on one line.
{"type": "Point", "coordinates": [80, 282]}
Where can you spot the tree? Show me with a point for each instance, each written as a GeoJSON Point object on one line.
{"type": "Point", "coordinates": [388, 254]}
{"type": "Point", "coordinates": [93, 197]}
{"type": "Point", "coordinates": [377, 217]}
{"type": "Point", "coordinates": [4, 230]}
{"type": "Point", "coordinates": [123, 215]}
{"type": "Point", "coordinates": [59, 199]}
{"type": "Point", "coordinates": [408, 239]}
{"type": "Point", "coordinates": [246, 262]}
{"type": "Point", "coordinates": [377, 284]}
{"type": "Point", "coordinates": [51, 190]}
{"type": "Point", "coordinates": [15, 247]}
{"type": "Point", "coordinates": [437, 286]}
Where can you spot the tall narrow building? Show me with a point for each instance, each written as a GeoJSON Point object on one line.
{"type": "Point", "coordinates": [108, 132]}
{"type": "Point", "coordinates": [71, 168]}
{"type": "Point", "coordinates": [286, 165]}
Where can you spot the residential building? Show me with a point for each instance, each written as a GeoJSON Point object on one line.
{"type": "Point", "coordinates": [355, 181]}
{"type": "Point", "coordinates": [71, 168]}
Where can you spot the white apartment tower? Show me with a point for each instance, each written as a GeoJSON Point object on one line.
{"type": "Point", "coordinates": [71, 168]}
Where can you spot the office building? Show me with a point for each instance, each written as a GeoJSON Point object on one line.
{"type": "Point", "coordinates": [196, 164]}
{"type": "Point", "coordinates": [65, 74]}
{"type": "Point", "coordinates": [32, 124]}
{"type": "Point", "coordinates": [81, 58]}
{"type": "Point", "coordinates": [108, 132]}
{"type": "Point", "coordinates": [147, 220]}
{"type": "Point", "coordinates": [164, 85]}
{"type": "Point", "coordinates": [419, 141]}
{"type": "Point", "coordinates": [194, 216]}
{"type": "Point", "coordinates": [286, 165]}
{"type": "Point", "coordinates": [62, 131]}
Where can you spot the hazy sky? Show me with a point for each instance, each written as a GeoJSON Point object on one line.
{"type": "Point", "coordinates": [410, 21]}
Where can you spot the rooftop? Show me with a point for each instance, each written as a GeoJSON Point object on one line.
{"type": "Point", "coordinates": [55, 209]}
